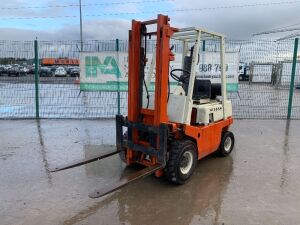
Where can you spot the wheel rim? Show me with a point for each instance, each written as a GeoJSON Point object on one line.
{"type": "Point", "coordinates": [186, 162]}
{"type": "Point", "coordinates": [227, 144]}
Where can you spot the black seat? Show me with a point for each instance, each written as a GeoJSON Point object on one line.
{"type": "Point", "coordinates": [202, 89]}
{"type": "Point", "coordinates": [215, 91]}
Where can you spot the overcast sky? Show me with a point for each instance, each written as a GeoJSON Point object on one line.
{"type": "Point", "coordinates": [108, 21]}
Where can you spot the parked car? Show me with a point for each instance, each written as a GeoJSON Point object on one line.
{"type": "Point", "coordinates": [60, 72]}
{"type": "Point", "coordinates": [31, 69]}
{"type": "Point", "coordinates": [46, 72]}
{"type": "Point", "coordinates": [68, 69]}
{"type": "Point", "coordinates": [53, 68]}
{"type": "Point", "coordinates": [2, 70]}
{"type": "Point", "coordinates": [7, 67]}
{"type": "Point", "coordinates": [23, 70]}
{"type": "Point", "coordinates": [75, 72]}
{"type": "Point", "coordinates": [14, 71]}
{"type": "Point", "coordinates": [243, 72]}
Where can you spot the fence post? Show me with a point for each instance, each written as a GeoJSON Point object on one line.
{"type": "Point", "coordinates": [293, 78]}
{"type": "Point", "coordinates": [36, 80]}
{"type": "Point", "coordinates": [119, 101]}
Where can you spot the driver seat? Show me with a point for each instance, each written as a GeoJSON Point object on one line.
{"type": "Point", "coordinates": [202, 89]}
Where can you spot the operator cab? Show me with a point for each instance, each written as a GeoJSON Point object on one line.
{"type": "Point", "coordinates": [203, 88]}
{"type": "Point", "coordinates": [206, 103]}
{"type": "Point", "coordinates": [195, 100]}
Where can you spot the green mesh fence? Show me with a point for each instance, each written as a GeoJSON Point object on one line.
{"type": "Point", "coordinates": [263, 89]}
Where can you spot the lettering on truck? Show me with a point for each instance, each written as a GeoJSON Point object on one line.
{"type": "Point", "coordinates": [216, 109]}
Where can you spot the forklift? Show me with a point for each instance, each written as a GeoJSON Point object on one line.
{"type": "Point", "coordinates": [168, 132]}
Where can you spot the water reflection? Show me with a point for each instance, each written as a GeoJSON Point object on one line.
{"type": "Point", "coordinates": [108, 168]}
{"type": "Point", "coordinates": [200, 198]}
{"type": "Point", "coordinates": [43, 152]}
{"type": "Point", "coordinates": [155, 201]}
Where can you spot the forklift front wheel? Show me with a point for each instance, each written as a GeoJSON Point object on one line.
{"type": "Point", "coordinates": [182, 161]}
{"type": "Point", "coordinates": [227, 143]}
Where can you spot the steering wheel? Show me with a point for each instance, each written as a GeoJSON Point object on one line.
{"type": "Point", "coordinates": [181, 78]}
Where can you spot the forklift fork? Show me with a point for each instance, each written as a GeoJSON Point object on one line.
{"type": "Point", "coordinates": [84, 161]}
{"type": "Point", "coordinates": [158, 134]}
{"type": "Point", "coordinates": [124, 181]}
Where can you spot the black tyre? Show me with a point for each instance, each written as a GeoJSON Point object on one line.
{"type": "Point", "coordinates": [227, 143]}
{"type": "Point", "coordinates": [182, 161]}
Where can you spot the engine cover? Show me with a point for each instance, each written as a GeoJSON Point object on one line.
{"type": "Point", "coordinates": [212, 112]}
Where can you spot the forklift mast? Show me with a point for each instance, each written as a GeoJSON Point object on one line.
{"type": "Point", "coordinates": [147, 128]}
{"type": "Point", "coordinates": [137, 62]}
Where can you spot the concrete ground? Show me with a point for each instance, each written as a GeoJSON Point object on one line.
{"type": "Point", "coordinates": [258, 183]}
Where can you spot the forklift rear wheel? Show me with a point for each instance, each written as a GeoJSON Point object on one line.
{"type": "Point", "coordinates": [227, 143]}
{"type": "Point", "coordinates": [182, 161]}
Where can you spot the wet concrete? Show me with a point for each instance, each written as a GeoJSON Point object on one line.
{"type": "Point", "coordinates": [258, 184]}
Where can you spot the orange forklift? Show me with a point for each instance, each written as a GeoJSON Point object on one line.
{"type": "Point", "coordinates": [168, 131]}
